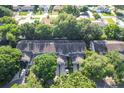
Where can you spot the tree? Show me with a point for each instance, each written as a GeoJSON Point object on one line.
{"type": "Point", "coordinates": [27, 30]}
{"type": "Point", "coordinates": [115, 57]}
{"type": "Point", "coordinates": [121, 37]}
{"type": "Point", "coordinates": [66, 27]}
{"type": "Point", "coordinates": [9, 32]}
{"type": "Point", "coordinates": [90, 32]}
{"type": "Point", "coordinates": [9, 63]}
{"type": "Point", "coordinates": [119, 6]}
{"type": "Point", "coordinates": [5, 11]}
{"type": "Point", "coordinates": [112, 31]}
{"type": "Point", "coordinates": [7, 20]}
{"type": "Point", "coordinates": [84, 9]}
{"type": "Point", "coordinates": [84, 22]}
{"type": "Point", "coordinates": [45, 67]}
{"type": "Point", "coordinates": [97, 67]}
{"type": "Point", "coordinates": [117, 60]}
{"type": "Point", "coordinates": [69, 9]}
{"type": "Point", "coordinates": [43, 31]}
{"type": "Point", "coordinates": [74, 80]}
{"type": "Point", "coordinates": [51, 8]}
{"type": "Point", "coordinates": [96, 15]}
{"type": "Point", "coordinates": [35, 9]}
{"type": "Point", "coordinates": [8, 6]}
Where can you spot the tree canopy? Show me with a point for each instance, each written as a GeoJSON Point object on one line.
{"type": "Point", "coordinates": [9, 32]}
{"type": "Point", "coordinates": [5, 11]}
{"type": "Point", "coordinates": [7, 20]}
{"type": "Point", "coordinates": [69, 9]}
{"type": "Point", "coordinates": [97, 67]}
{"type": "Point", "coordinates": [27, 30]}
{"type": "Point", "coordinates": [9, 63]}
{"type": "Point", "coordinates": [117, 60]}
{"type": "Point", "coordinates": [112, 31]}
{"type": "Point", "coordinates": [74, 80]}
{"type": "Point", "coordinates": [84, 8]}
{"type": "Point", "coordinates": [45, 67]}
{"type": "Point", "coordinates": [43, 31]}
{"type": "Point", "coordinates": [66, 27]}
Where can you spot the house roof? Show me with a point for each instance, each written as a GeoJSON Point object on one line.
{"type": "Point", "coordinates": [57, 7]}
{"type": "Point", "coordinates": [52, 46]}
{"type": "Point", "coordinates": [108, 45]}
{"type": "Point", "coordinates": [25, 7]}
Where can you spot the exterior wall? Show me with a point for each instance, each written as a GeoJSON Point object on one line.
{"type": "Point", "coordinates": [75, 68]}
{"type": "Point", "coordinates": [60, 70]}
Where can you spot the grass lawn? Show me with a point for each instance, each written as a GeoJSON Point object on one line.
{"type": "Point", "coordinates": [23, 13]}
{"type": "Point", "coordinates": [110, 21]}
{"type": "Point", "coordinates": [107, 14]}
{"type": "Point", "coordinates": [92, 19]}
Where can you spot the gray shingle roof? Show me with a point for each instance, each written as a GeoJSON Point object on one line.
{"type": "Point", "coordinates": [52, 46]}
{"type": "Point", "coordinates": [108, 45]}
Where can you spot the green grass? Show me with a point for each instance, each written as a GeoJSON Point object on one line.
{"type": "Point", "coordinates": [107, 14]}
{"type": "Point", "coordinates": [110, 21]}
{"type": "Point", "coordinates": [23, 13]}
{"type": "Point", "coordinates": [92, 19]}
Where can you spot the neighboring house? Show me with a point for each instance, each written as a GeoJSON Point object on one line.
{"type": "Point", "coordinates": [104, 46]}
{"type": "Point", "coordinates": [65, 50]}
{"type": "Point", "coordinates": [23, 8]}
{"type": "Point", "coordinates": [57, 7]}
{"type": "Point", "coordinates": [101, 9]}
